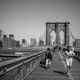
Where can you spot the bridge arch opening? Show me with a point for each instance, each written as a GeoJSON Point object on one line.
{"type": "Point", "coordinates": [52, 38]}
{"type": "Point", "coordinates": [62, 34]}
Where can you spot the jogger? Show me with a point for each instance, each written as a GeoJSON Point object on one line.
{"type": "Point", "coordinates": [69, 58]}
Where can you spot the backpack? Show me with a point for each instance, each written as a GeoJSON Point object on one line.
{"type": "Point", "coordinates": [50, 56]}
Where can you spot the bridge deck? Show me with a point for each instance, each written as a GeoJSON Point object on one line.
{"type": "Point", "coordinates": [56, 71]}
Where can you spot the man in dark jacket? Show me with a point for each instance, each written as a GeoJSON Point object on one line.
{"type": "Point", "coordinates": [48, 56]}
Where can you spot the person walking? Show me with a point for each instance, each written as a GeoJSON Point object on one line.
{"type": "Point", "coordinates": [48, 57]}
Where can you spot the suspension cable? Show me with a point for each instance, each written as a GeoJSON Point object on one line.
{"type": "Point", "coordinates": [74, 37]}
{"type": "Point", "coordinates": [72, 34]}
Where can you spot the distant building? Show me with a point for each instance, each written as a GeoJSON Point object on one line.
{"type": "Point", "coordinates": [9, 42]}
{"type": "Point", "coordinates": [17, 44]}
{"type": "Point", "coordinates": [33, 42]}
{"type": "Point", "coordinates": [24, 43]}
{"type": "Point", "coordinates": [76, 43]}
{"type": "Point", "coordinates": [41, 43]}
{"type": "Point", "coordinates": [11, 36]}
{"type": "Point", "coordinates": [5, 36]}
{"type": "Point", "coordinates": [1, 37]}
{"type": "Point", "coordinates": [1, 34]}
{"type": "Point", "coordinates": [0, 44]}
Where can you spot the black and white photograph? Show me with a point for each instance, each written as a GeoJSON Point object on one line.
{"type": "Point", "coordinates": [39, 39]}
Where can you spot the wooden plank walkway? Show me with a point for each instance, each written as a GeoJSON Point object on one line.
{"type": "Point", "coordinates": [56, 71]}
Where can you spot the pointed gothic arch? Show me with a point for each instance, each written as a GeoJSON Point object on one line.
{"type": "Point", "coordinates": [57, 27]}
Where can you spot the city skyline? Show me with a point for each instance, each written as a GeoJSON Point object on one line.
{"type": "Point", "coordinates": [27, 18]}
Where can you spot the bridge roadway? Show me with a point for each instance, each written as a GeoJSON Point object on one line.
{"type": "Point", "coordinates": [8, 53]}
{"type": "Point", "coordinates": [56, 71]}
{"type": "Point", "coordinates": [24, 49]}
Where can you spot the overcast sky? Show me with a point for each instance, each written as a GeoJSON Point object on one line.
{"type": "Point", "coordinates": [26, 18]}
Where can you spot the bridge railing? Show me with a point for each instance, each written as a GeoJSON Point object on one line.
{"type": "Point", "coordinates": [20, 68]}
{"type": "Point", "coordinates": [77, 53]}
{"type": "Point", "coordinates": [7, 54]}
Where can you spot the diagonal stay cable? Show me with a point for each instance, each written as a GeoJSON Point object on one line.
{"type": "Point", "coordinates": [73, 37]}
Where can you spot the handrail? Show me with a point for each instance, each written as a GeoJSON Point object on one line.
{"type": "Point", "coordinates": [14, 63]}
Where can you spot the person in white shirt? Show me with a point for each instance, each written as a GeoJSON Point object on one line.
{"type": "Point", "coordinates": [69, 58]}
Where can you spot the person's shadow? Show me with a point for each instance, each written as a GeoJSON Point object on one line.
{"type": "Point", "coordinates": [43, 66]}
{"type": "Point", "coordinates": [61, 72]}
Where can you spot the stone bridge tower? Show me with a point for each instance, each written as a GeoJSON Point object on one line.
{"type": "Point", "coordinates": [57, 27]}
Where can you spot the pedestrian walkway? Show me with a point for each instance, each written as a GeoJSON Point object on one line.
{"type": "Point", "coordinates": [75, 71]}
{"type": "Point", "coordinates": [56, 71]}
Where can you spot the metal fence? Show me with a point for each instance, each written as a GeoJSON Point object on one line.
{"type": "Point", "coordinates": [20, 68]}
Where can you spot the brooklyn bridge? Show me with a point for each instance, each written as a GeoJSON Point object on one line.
{"type": "Point", "coordinates": [26, 66]}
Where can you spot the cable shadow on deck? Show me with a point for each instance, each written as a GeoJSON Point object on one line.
{"type": "Point", "coordinates": [43, 66]}
{"type": "Point", "coordinates": [61, 72]}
